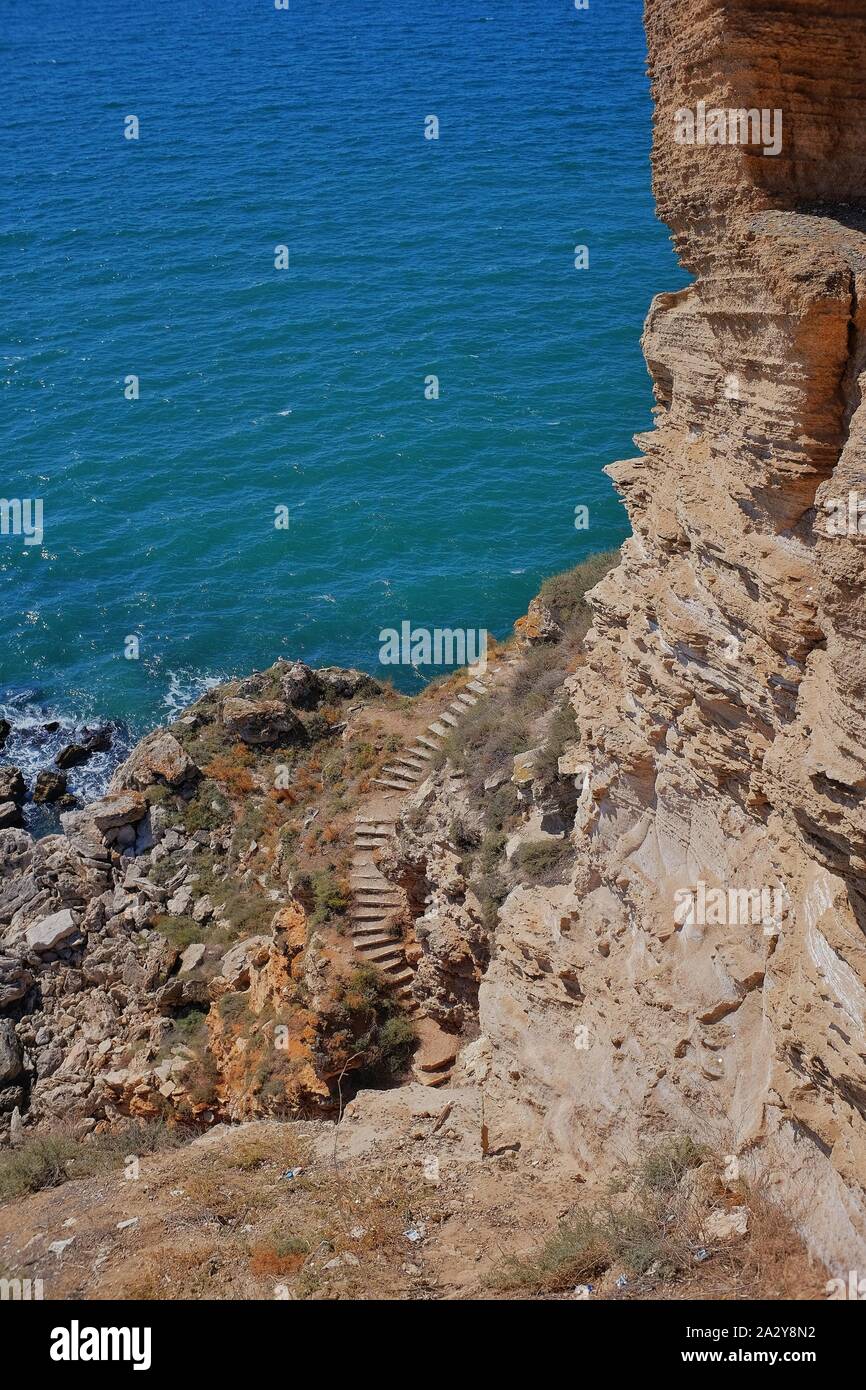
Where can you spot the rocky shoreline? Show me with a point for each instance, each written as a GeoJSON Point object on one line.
{"type": "Point", "coordinates": [51, 763]}
{"type": "Point", "coordinates": [109, 943]}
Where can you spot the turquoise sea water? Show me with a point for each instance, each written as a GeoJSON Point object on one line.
{"type": "Point", "coordinates": [304, 388]}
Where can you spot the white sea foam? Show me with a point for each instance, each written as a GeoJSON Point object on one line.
{"type": "Point", "coordinates": [185, 687]}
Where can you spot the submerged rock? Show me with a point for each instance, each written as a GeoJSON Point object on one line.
{"type": "Point", "coordinates": [74, 754]}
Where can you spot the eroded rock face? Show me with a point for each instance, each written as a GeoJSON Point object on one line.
{"type": "Point", "coordinates": [158, 758]}
{"type": "Point", "coordinates": [260, 721]}
{"type": "Point", "coordinates": [706, 970]}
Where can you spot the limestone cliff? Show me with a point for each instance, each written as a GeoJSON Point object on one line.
{"type": "Point", "coordinates": [720, 710]}
{"type": "Point", "coordinates": [626, 871]}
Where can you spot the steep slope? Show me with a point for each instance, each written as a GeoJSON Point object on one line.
{"type": "Point", "coordinates": [720, 712]}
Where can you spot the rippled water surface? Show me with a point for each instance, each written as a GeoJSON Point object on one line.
{"type": "Point", "coordinates": [304, 388]}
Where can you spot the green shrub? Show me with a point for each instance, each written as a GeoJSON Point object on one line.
{"type": "Point", "coordinates": [48, 1160]}
{"type": "Point", "coordinates": [486, 741]}
{"type": "Point", "coordinates": [234, 1007]}
{"type": "Point", "coordinates": [248, 910]}
{"type": "Point", "coordinates": [501, 806]}
{"type": "Point", "coordinates": [371, 1026]}
{"type": "Point", "coordinates": [561, 732]}
{"type": "Point", "coordinates": [664, 1166]}
{"type": "Point", "coordinates": [492, 846]}
{"type": "Point", "coordinates": [565, 594]}
{"type": "Point", "coordinates": [180, 931]}
{"type": "Point", "coordinates": [362, 756]}
{"type": "Point", "coordinates": [463, 835]}
{"type": "Point", "coordinates": [654, 1227]}
{"type": "Point", "coordinates": [189, 1024]}
{"type": "Point", "coordinates": [536, 678]}
{"type": "Point", "coordinates": [39, 1162]}
{"type": "Point", "coordinates": [576, 1253]}
{"type": "Point", "coordinates": [536, 859]}
{"type": "Point", "coordinates": [491, 890]}
{"type": "Point", "coordinates": [329, 899]}
{"type": "Point", "coordinates": [207, 810]}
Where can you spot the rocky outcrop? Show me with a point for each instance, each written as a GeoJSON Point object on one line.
{"type": "Point", "coordinates": [156, 956]}
{"type": "Point", "coordinates": [705, 967]}
{"type": "Point", "coordinates": [158, 758]}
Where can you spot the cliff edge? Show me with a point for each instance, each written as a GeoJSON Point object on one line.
{"type": "Point", "coordinates": [712, 932]}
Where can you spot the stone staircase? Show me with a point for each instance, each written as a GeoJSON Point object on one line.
{"type": "Point", "coordinates": [374, 899]}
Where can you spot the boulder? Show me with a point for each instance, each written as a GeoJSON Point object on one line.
{"type": "Point", "coordinates": [5, 731]}
{"type": "Point", "coordinates": [72, 755]}
{"type": "Point", "coordinates": [346, 683]}
{"type": "Point", "coordinates": [722, 1225]}
{"type": "Point", "coordinates": [180, 902]}
{"type": "Point", "coordinates": [158, 758]}
{"type": "Point", "coordinates": [537, 625]}
{"type": "Point", "coordinates": [192, 958]}
{"type": "Point", "coordinates": [93, 741]}
{"type": "Point", "coordinates": [16, 847]}
{"type": "Point", "coordinates": [524, 766]}
{"type": "Point", "coordinates": [235, 965]}
{"type": "Point", "coordinates": [182, 991]}
{"type": "Point", "coordinates": [10, 815]}
{"type": "Point", "coordinates": [50, 786]}
{"type": "Point", "coordinates": [50, 931]}
{"type": "Point", "coordinates": [117, 809]}
{"type": "Point", "coordinates": [15, 980]}
{"type": "Point", "coordinates": [301, 686]}
{"type": "Point", "coordinates": [12, 786]}
{"type": "Point", "coordinates": [11, 1052]}
{"type": "Point", "coordinates": [203, 909]}
{"type": "Point", "coordinates": [260, 721]}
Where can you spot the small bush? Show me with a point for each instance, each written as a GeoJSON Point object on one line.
{"type": "Point", "coordinates": [179, 931]}
{"type": "Point", "coordinates": [40, 1162]}
{"type": "Point", "coordinates": [536, 859]}
{"type": "Point", "coordinates": [565, 594]}
{"type": "Point", "coordinates": [249, 911]}
{"type": "Point", "coordinates": [561, 732]}
{"type": "Point", "coordinates": [574, 1254]}
{"type": "Point", "coordinates": [492, 846]}
{"type": "Point", "coordinates": [665, 1166]}
{"type": "Point", "coordinates": [329, 898]}
{"type": "Point", "coordinates": [367, 1020]}
{"type": "Point", "coordinates": [231, 771]}
{"type": "Point", "coordinates": [49, 1160]}
{"type": "Point", "coordinates": [535, 680]}
{"type": "Point", "coordinates": [463, 835]}
{"type": "Point", "coordinates": [207, 810]}
{"type": "Point", "coordinates": [491, 890]}
{"type": "Point", "coordinates": [486, 741]}
{"type": "Point", "coordinates": [234, 1007]}
{"type": "Point", "coordinates": [189, 1031]}
{"type": "Point", "coordinates": [651, 1224]}
{"type": "Point", "coordinates": [281, 1254]}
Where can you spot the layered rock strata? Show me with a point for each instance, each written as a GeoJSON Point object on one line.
{"type": "Point", "coordinates": [705, 968]}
